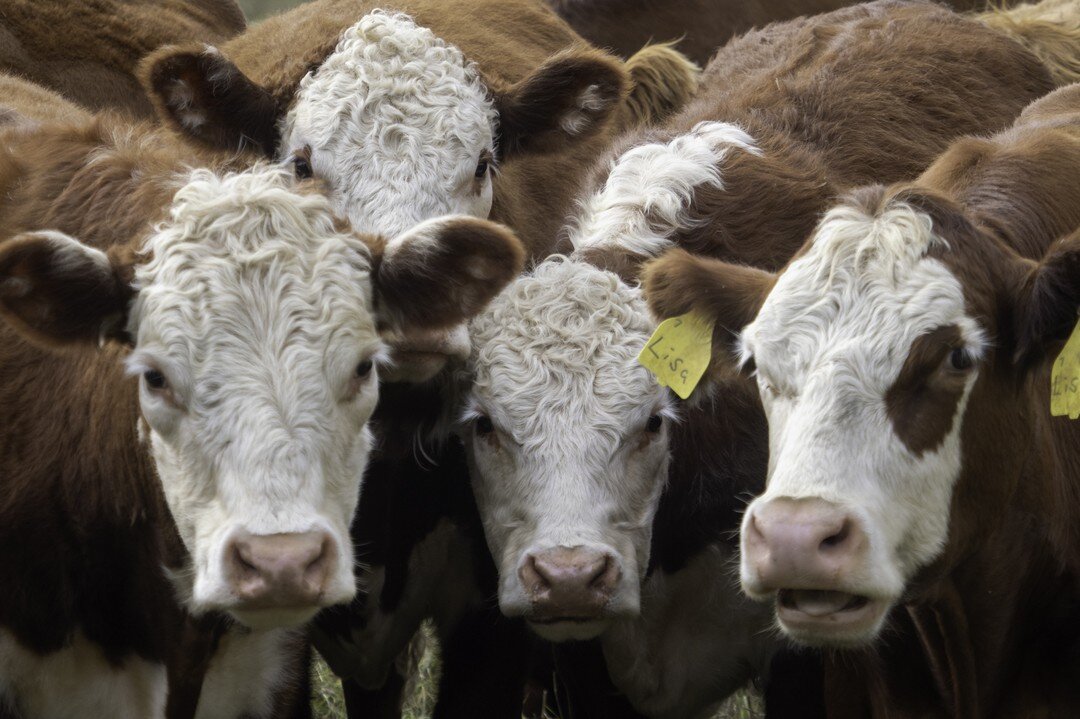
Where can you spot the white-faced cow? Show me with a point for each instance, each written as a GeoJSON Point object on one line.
{"type": "Point", "coordinates": [206, 462]}
{"type": "Point", "coordinates": [569, 437]}
{"type": "Point", "coordinates": [903, 360]}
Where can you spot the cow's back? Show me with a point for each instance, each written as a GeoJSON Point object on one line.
{"type": "Point", "coordinates": [879, 90]}
{"type": "Point", "coordinates": [88, 51]}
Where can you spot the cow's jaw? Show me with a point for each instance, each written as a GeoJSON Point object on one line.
{"type": "Point", "coordinates": [567, 477]}
{"type": "Point", "coordinates": [396, 123]}
{"type": "Point", "coordinates": [863, 458]}
{"type": "Point", "coordinates": [257, 311]}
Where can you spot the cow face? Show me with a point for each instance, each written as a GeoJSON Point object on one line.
{"type": "Point", "coordinates": [257, 337]}
{"type": "Point", "coordinates": [567, 441]}
{"type": "Point", "coordinates": [398, 125]}
{"type": "Point", "coordinates": [867, 351]}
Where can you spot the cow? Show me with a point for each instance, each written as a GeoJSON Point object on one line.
{"type": "Point", "coordinates": [697, 27]}
{"type": "Point", "coordinates": [190, 360]}
{"type": "Point", "coordinates": [89, 52]}
{"type": "Point", "coordinates": [568, 437]}
{"type": "Point", "coordinates": [903, 359]}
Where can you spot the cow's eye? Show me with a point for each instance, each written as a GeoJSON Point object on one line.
{"type": "Point", "coordinates": [484, 425]}
{"type": "Point", "coordinates": [364, 369]}
{"type": "Point", "coordinates": [155, 380]}
{"type": "Point", "coordinates": [654, 424]}
{"type": "Point", "coordinates": [481, 168]}
{"type": "Point", "coordinates": [960, 360]}
{"type": "Point", "coordinates": [302, 167]}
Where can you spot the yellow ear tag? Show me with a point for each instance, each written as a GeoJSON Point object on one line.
{"type": "Point", "coordinates": [679, 351]}
{"type": "Point", "coordinates": [1065, 379]}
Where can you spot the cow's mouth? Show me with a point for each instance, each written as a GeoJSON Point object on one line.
{"type": "Point", "coordinates": [568, 628]}
{"type": "Point", "coordinates": [821, 616]}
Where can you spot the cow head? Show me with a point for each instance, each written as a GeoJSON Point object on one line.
{"type": "Point", "coordinates": [886, 359]}
{"type": "Point", "coordinates": [398, 125]}
{"type": "Point", "coordinates": [567, 441]}
{"type": "Point", "coordinates": [256, 323]}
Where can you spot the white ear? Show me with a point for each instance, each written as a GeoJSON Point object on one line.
{"type": "Point", "coordinates": [442, 272]}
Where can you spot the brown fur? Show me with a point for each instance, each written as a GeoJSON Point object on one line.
{"type": "Point", "coordinates": [89, 51]}
{"type": "Point", "coordinates": [663, 81]}
{"type": "Point", "coordinates": [697, 27]}
{"type": "Point", "coordinates": [992, 628]}
{"type": "Point", "coordinates": [867, 94]}
{"type": "Point", "coordinates": [1049, 29]}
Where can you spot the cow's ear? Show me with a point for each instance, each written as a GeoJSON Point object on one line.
{"type": "Point", "coordinates": [56, 291]}
{"type": "Point", "coordinates": [202, 95]}
{"type": "Point", "coordinates": [443, 272]}
{"type": "Point", "coordinates": [729, 295]}
{"type": "Point", "coordinates": [569, 98]}
{"type": "Point", "coordinates": [1049, 298]}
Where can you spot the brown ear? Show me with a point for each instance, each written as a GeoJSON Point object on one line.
{"type": "Point", "coordinates": [730, 295]}
{"type": "Point", "coordinates": [568, 99]}
{"type": "Point", "coordinates": [443, 272]}
{"type": "Point", "coordinates": [204, 96]}
{"type": "Point", "coordinates": [56, 291]}
{"type": "Point", "coordinates": [1049, 301]}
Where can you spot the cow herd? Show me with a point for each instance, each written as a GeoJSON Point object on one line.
{"type": "Point", "coordinates": [319, 329]}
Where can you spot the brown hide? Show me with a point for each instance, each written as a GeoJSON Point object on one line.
{"type": "Point", "coordinates": [997, 616]}
{"type": "Point", "coordinates": [865, 94]}
{"type": "Point", "coordinates": [699, 26]}
{"type": "Point", "coordinates": [88, 51]}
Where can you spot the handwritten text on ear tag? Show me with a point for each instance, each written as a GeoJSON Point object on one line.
{"type": "Point", "coordinates": [1065, 379]}
{"type": "Point", "coordinates": [679, 351]}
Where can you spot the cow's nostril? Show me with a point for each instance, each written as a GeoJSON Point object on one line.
{"type": "Point", "coordinates": [838, 538]}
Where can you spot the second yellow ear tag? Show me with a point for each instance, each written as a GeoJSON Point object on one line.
{"type": "Point", "coordinates": [679, 351]}
{"type": "Point", "coordinates": [1065, 379]}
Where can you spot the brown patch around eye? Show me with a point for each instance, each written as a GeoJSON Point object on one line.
{"type": "Point", "coordinates": [921, 404]}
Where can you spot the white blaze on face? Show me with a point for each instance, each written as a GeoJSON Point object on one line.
{"type": "Point", "coordinates": [650, 189]}
{"type": "Point", "coordinates": [570, 461]}
{"type": "Point", "coordinates": [398, 124]}
{"type": "Point", "coordinates": [828, 345]}
{"type": "Point", "coordinates": [256, 311]}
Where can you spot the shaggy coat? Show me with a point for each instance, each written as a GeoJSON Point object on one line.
{"type": "Point", "coordinates": [988, 628]}
{"type": "Point", "coordinates": [89, 51]}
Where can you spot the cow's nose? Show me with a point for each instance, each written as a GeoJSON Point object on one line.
{"type": "Point", "coordinates": [280, 570]}
{"type": "Point", "coordinates": [569, 582]}
{"type": "Point", "coordinates": [801, 544]}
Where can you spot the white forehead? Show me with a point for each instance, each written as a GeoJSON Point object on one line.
{"type": "Point", "coordinates": [396, 103]}
{"type": "Point", "coordinates": [554, 356]}
{"type": "Point", "coordinates": [864, 291]}
{"type": "Point", "coordinates": [246, 259]}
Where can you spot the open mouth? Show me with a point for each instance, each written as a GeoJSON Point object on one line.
{"type": "Point", "coordinates": [820, 616]}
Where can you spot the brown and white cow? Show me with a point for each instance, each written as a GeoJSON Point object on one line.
{"type": "Point", "coordinates": [903, 360]}
{"type": "Point", "coordinates": [568, 436]}
{"type": "Point", "coordinates": [90, 51]}
{"type": "Point", "coordinates": [203, 466]}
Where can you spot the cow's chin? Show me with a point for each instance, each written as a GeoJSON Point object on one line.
{"type": "Point", "coordinates": [275, 617]}
{"type": "Point", "coordinates": [830, 619]}
{"type": "Point", "coordinates": [569, 630]}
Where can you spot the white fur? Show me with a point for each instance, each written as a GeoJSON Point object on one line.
{"type": "Point", "coordinates": [697, 640]}
{"type": "Point", "coordinates": [828, 343]}
{"type": "Point", "coordinates": [649, 190]}
{"type": "Point", "coordinates": [554, 366]}
{"type": "Point", "coordinates": [257, 309]}
{"type": "Point", "coordinates": [396, 120]}
{"type": "Point", "coordinates": [78, 682]}
{"type": "Point", "coordinates": [247, 671]}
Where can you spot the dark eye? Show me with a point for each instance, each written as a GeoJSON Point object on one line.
{"type": "Point", "coordinates": [484, 425]}
{"type": "Point", "coordinates": [363, 369]}
{"type": "Point", "coordinates": [302, 167]}
{"type": "Point", "coordinates": [481, 168]}
{"type": "Point", "coordinates": [154, 379]}
{"type": "Point", "coordinates": [654, 423]}
{"type": "Point", "coordinates": [960, 360]}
